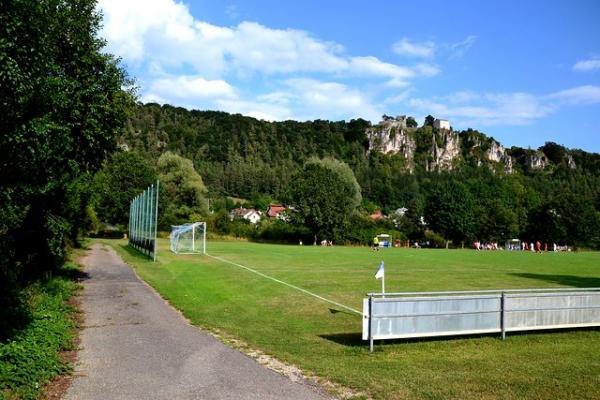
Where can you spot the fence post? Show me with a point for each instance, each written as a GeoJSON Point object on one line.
{"type": "Point", "coordinates": [371, 323]}
{"type": "Point", "coordinates": [156, 220]}
{"type": "Point", "coordinates": [502, 317]}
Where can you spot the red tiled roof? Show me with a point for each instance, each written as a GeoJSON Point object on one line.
{"type": "Point", "coordinates": [275, 209]}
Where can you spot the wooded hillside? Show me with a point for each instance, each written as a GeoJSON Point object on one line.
{"type": "Point", "coordinates": [551, 194]}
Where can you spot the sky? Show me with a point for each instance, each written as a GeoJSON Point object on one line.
{"type": "Point", "coordinates": [523, 72]}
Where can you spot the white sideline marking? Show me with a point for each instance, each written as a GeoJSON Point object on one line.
{"type": "Point", "coordinates": [286, 284]}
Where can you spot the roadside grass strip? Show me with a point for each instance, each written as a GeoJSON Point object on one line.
{"type": "Point", "coordinates": [286, 284]}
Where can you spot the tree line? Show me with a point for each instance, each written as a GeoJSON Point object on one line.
{"type": "Point", "coordinates": [242, 157]}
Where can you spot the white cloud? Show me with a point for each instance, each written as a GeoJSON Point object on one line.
{"type": "Point", "coordinates": [462, 97]}
{"type": "Point", "coordinates": [127, 23]}
{"type": "Point", "coordinates": [268, 111]}
{"type": "Point", "coordinates": [587, 94]}
{"type": "Point", "coordinates": [153, 98]}
{"type": "Point", "coordinates": [468, 108]}
{"type": "Point", "coordinates": [315, 99]}
{"type": "Point", "coordinates": [164, 32]}
{"type": "Point", "coordinates": [191, 87]}
{"type": "Point", "coordinates": [405, 47]}
{"type": "Point", "coordinates": [190, 62]}
{"type": "Point", "coordinates": [276, 97]}
{"type": "Point", "coordinates": [398, 98]}
{"type": "Point", "coordinates": [266, 50]}
{"type": "Point", "coordinates": [489, 109]}
{"type": "Point", "coordinates": [309, 99]}
{"type": "Point", "coordinates": [587, 65]}
{"type": "Point", "coordinates": [458, 49]}
{"type": "Point", "coordinates": [425, 69]}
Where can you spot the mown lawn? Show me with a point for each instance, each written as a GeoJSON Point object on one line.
{"type": "Point", "coordinates": [325, 340]}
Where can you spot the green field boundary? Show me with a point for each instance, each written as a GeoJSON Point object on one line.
{"type": "Point", "coordinates": [286, 284]}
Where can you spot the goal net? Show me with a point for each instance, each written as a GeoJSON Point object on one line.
{"type": "Point", "coordinates": [188, 238]}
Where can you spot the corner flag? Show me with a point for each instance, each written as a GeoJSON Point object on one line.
{"type": "Point", "coordinates": [380, 272]}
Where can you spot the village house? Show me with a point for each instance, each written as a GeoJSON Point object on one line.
{"type": "Point", "coordinates": [277, 211]}
{"type": "Point", "coordinates": [246, 213]}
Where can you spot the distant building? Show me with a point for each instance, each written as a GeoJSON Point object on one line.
{"type": "Point", "coordinates": [401, 211]}
{"type": "Point", "coordinates": [246, 213]}
{"type": "Point", "coordinates": [441, 124]}
{"type": "Point", "coordinates": [277, 211]}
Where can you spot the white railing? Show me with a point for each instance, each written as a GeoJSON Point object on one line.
{"type": "Point", "coordinates": [426, 314]}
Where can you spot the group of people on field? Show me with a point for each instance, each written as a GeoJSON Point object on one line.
{"type": "Point", "coordinates": [536, 247]}
{"type": "Point", "coordinates": [485, 246]}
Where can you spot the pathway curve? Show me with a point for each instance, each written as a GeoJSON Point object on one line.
{"type": "Point", "coordinates": [135, 346]}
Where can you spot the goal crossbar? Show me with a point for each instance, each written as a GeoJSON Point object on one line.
{"type": "Point", "coordinates": [188, 238]}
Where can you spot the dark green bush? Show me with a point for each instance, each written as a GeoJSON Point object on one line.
{"type": "Point", "coordinates": [30, 357]}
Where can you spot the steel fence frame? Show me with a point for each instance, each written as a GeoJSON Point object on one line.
{"type": "Point", "coordinates": [143, 219]}
{"type": "Point", "coordinates": [479, 311]}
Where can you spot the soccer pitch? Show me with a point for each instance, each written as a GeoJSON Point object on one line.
{"type": "Point", "coordinates": [325, 340]}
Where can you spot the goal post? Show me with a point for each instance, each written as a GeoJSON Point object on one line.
{"type": "Point", "coordinates": [188, 238]}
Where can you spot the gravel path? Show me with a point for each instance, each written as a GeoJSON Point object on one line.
{"type": "Point", "coordinates": [135, 346]}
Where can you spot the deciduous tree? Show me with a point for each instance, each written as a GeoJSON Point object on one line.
{"type": "Point", "coordinates": [182, 192]}
{"type": "Point", "coordinates": [62, 104]}
{"type": "Point", "coordinates": [325, 194]}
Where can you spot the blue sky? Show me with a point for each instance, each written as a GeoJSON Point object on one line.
{"type": "Point", "coordinates": [524, 72]}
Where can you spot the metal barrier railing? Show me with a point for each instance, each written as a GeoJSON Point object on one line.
{"type": "Point", "coordinates": [449, 313]}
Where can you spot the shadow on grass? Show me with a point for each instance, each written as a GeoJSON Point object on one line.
{"type": "Point", "coordinates": [338, 311]}
{"type": "Point", "coordinates": [566, 280]}
{"type": "Point", "coordinates": [16, 313]}
{"type": "Point", "coordinates": [554, 331]}
{"type": "Point", "coordinates": [133, 252]}
{"type": "Point", "coordinates": [355, 339]}
{"type": "Point", "coordinates": [72, 272]}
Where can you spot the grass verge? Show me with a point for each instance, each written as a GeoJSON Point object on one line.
{"type": "Point", "coordinates": [30, 359]}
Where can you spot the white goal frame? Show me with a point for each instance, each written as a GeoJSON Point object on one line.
{"type": "Point", "coordinates": [177, 230]}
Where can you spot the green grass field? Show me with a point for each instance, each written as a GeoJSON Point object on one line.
{"type": "Point", "coordinates": [325, 341]}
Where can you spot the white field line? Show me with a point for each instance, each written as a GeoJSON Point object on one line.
{"type": "Point", "coordinates": [286, 284]}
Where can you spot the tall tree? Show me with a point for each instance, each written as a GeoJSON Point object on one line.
{"type": "Point", "coordinates": [325, 194]}
{"type": "Point", "coordinates": [121, 178]}
{"type": "Point", "coordinates": [449, 210]}
{"type": "Point", "coordinates": [182, 192]}
{"type": "Point", "coordinates": [62, 104]}
{"type": "Point", "coordinates": [429, 120]}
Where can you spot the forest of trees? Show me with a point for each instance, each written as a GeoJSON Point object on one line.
{"type": "Point", "coordinates": [242, 157]}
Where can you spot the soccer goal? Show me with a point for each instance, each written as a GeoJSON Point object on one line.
{"type": "Point", "coordinates": [188, 238]}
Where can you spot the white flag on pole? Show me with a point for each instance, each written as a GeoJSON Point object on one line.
{"type": "Point", "coordinates": [380, 272]}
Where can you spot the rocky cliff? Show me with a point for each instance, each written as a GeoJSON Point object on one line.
{"type": "Point", "coordinates": [497, 153]}
{"type": "Point", "coordinates": [391, 137]}
{"type": "Point", "coordinates": [444, 149]}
